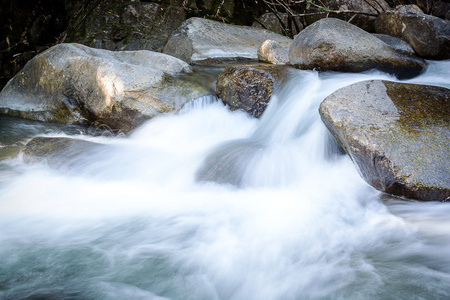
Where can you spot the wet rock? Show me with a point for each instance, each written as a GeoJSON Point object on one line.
{"type": "Point", "coordinates": [125, 25]}
{"type": "Point", "coordinates": [72, 83]}
{"type": "Point", "coordinates": [365, 21]}
{"type": "Point", "coordinates": [335, 45]}
{"type": "Point", "coordinates": [429, 36]}
{"type": "Point", "coordinates": [397, 134]}
{"type": "Point", "coordinates": [248, 88]}
{"type": "Point", "coordinates": [56, 152]}
{"type": "Point", "coordinates": [198, 40]}
{"type": "Point", "coordinates": [270, 22]}
{"type": "Point", "coordinates": [397, 44]}
{"type": "Point", "coordinates": [272, 52]}
{"type": "Point", "coordinates": [228, 163]}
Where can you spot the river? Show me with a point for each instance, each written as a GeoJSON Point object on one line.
{"type": "Point", "coordinates": [284, 214]}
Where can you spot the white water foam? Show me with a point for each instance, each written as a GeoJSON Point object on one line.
{"type": "Point", "coordinates": [131, 221]}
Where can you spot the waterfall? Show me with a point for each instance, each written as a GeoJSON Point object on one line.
{"type": "Point", "coordinates": [214, 204]}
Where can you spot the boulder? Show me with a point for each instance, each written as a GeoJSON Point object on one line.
{"type": "Point", "coordinates": [274, 53]}
{"type": "Point", "coordinates": [397, 44]}
{"type": "Point", "coordinates": [198, 40]}
{"type": "Point", "coordinates": [125, 25]}
{"type": "Point", "coordinates": [397, 134]}
{"type": "Point", "coordinates": [365, 20]}
{"type": "Point", "coordinates": [441, 9]}
{"type": "Point", "coordinates": [270, 22]}
{"type": "Point", "coordinates": [248, 88]}
{"type": "Point", "coordinates": [56, 152]}
{"type": "Point", "coordinates": [335, 45]}
{"type": "Point", "coordinates": [72, 83]}
{"type": "Point", "coordinates": [429, 36]}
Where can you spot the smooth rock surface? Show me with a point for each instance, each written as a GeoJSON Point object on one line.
{"type": "Point", "coordinates": [274, 53]}
{"type": "Point", "coordinates": [335, 45]}
{"type": "Point", "coordinates": [72, 83]}
{"type": "Point", "coordinates": [198, 40]}
{"type": "Point", "coordinates": [397, 134]}
{"type": "Point", "coordinates": [397, 44]}
{"type": "Point", "coordinates": [429, 36]}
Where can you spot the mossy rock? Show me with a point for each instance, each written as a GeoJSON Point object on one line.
{"type": "Point", "coordinates": [429, 36]}
{"type": "Point", "coordinates": [397, 134]}
{"type": "Point", "coordinates": [249, 88]}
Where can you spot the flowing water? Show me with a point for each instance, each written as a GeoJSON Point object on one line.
{"type": "Point", "coordinates": [211, 204]}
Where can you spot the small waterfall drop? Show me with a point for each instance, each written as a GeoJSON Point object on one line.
{"type": "Point", "coordinates": [212, 204]}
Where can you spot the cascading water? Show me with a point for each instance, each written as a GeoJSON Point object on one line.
{"type": "Point", "coordinates": [212, 204]}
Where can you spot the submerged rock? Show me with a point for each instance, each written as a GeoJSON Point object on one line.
{"type": "Point", "coordinates": [73, 83]}
{"type": "Point", "coordinates": [248, 88]}
{"type": "Point", "coordinates": [335, 45]}
{"type": "Point", "coordinates": [228, 163]}
{"type": "Point", "coordinates": [56, 152]}
{"type": "Point", "coordinates": [198, 40]}
{"type": "Point", "coordinates": [397, 134]}
{"type": "Point", "coordinates": [429, 36]}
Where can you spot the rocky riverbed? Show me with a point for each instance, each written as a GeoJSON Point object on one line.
{"type": "Point", "coordinates": [76, 84]}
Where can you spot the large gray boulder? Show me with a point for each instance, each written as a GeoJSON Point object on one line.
{"type": "Point", "coordinates": [397, 134]}
{"type": "Point", "coordinates": [72, 83]}
{"type": "Point", "coordinates": [249, 88]}
{"type": "Point", "coordinates": [199, 40]}
{"type": "Point", "coordinates": [125, 25]}
{"type": "Point", "coordinates": [335, 45]}
{"type": "Point", "coordinates": [429, 36]}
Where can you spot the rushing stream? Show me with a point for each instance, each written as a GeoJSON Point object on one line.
{"type": "Point", "coordinates": [287, 216]}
